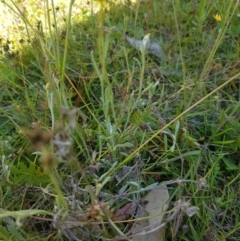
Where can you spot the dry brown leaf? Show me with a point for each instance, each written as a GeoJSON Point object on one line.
{"type": "Point", "coordinates": [151, 47]}
{"type": "Point", "coordinates": [124, 212]}
{"type": "Point", "coordinates": [155, 201]}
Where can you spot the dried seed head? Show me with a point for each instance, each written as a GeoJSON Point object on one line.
{"type": "Point", "coordinates": [37, 137]}
{"type": "Point", "coordinates": [47, 160]}
{"type": "Point", "coordinates": [201, 183]}
{"type": "Point", "coordinates": [96, 211]}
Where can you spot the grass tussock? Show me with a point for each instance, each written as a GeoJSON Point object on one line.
{"type": "Point", "coordinates": [104, 101]}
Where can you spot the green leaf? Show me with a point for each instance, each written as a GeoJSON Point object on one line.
{"type": "Point", "coordinates": [230, 165]}
{"type": "Point", "coordinates": [4, 235]}
{"type": "Point", "coordinates": [126, 144]}
{"type": "Point", "coordinates": [238, 141]}
{"type": "Point", "coordinates": [15, 233]}
{"type": "Point", "coordinates": [194, 233]}
{"type": "Point", "coordinates": [30, 175]}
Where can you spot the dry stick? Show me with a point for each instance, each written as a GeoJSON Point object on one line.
{"type": "Point", "coordinates": [132, 155]}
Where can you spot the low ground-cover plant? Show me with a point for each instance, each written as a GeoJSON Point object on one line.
{"type": "Point", "coordinates": [90, 124]}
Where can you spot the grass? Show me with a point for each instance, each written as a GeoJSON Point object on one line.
{"type": "Point", "coordinates": [90, 124]}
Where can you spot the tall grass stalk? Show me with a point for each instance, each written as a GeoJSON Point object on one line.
{"type": "Point", "coordinates": [63, 99]}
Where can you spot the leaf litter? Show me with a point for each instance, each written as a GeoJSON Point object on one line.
{"type": "Point", "coordinates": [155, 205]}
{"type": "Point", "coordinates": [152, 47]}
